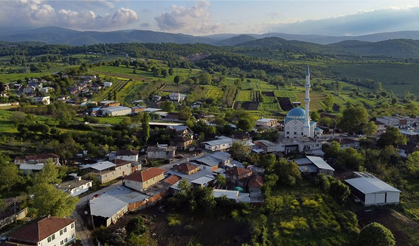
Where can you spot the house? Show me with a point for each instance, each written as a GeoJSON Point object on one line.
{"type": "Point", "coordinates": [207, 163]}
{"type": "Point", "coordinates": [411, 136]}
{"type": "Point", "coordinates": [108, 103]}
{"type": "Point", "coordinates": [399, 122]}
{"type": "Point", "coordinates": [224, 158]}
{"type": "Point", "coordinates": [142, 180]}
{"type": "Point", "coordinates": [127, 155]}
{"type": "Point", "coordinates": [112, 205]}
{"type": "Point", "coordinates": [231, 195]}
{"type": "Point", "coordinates": [267, 123]}
{"type": "Point", "coordinates": [137, 109]}
{"type": "Point", "coordinates": [76, 186]}
{"type": "Point", "coordinates": [107, 84]}
{"type": "Point", "coordinates": [62, 98]}
{"type": "Point", "coordinates": [266, 145]}
{"type": "Point", "coordinates": [73, 90]}
{"type": "Point", "coordinates": [174, 96]}
{"type": "Point", "coordinates": [38, 159]}
{"type": "Point", "coordinates": [314, 165]}
{"type": "Point", "coordinates": [95, 87]}
{"type": "Point", "coordinates": [372, 191]}
{"type": "Point", "coordinates": [255, 184]}
{"type": "Point", "coordinates": [107, 171]}
{"type": "Point", "coordinates": [44, 100]}
{"type": "Point", "coordinates": [46, 90]}
{"type": "Point", "coordinates": [116, 111]}
{"type": "Point", "coordinates": [238, 175]}
{"type": "Point", "coordinates": [161, 151]}
{"type": "Point", "coordinates": [183, 136]}
{"type": "Point", "coordinates": [180, 130]}
{"type": "Point", "coordinates": [381, 127]}
{"type": "Point", "coordinates": [186, 168]}
{"type": "Point", "coordinates": [346, 143]}
{"type": "Point", "coordinates": [48, 231]}
{"type": "Point", "coordinates": [203, 181]}
{"type": "Point", "coordinates": [220, 143]}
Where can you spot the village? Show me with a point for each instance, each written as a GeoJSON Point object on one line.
{"type": "Point", "coordinates": [132, 184]}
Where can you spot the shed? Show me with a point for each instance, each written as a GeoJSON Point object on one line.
{"type": "Point", "coordinates": [373, 191]}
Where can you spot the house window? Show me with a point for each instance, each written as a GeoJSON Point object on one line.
{"type": "Point", "coordinates": [295, 133]}
{"type": "Point", "coordinates": [53, 237]}
{"type": "Point", "coordinates": [49, 239]}
{"type": "Point", "coordinates": [65, 240]}
{"type": "Point", "coordinates": [61, 232]}
{"type": "Point", "coordinates": [65, 229]}
{"type": "Point", "coordinates": [62, 242]}
{"type": "Point", "coordinates": [288, 132]}
{"type": "Point", "coordinates": [72, 225]}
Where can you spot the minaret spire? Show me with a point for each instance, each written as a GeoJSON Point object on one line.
{"type": "Point", "coordinates": [306, 128]}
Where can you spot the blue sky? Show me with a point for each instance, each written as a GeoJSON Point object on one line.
{"type": "Point", "coordinates": [205, 17]}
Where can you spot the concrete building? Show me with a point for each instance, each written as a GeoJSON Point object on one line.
{"type": "Point", "coordinates": [48, 231]}
{"type": "Point", "coordinates": [116, 111]}
{"type": "Point", "coordinates": [161, 151]}
{"type": "Point", "coordinates": [127, 155]}
{"type": "Point", "coordinates": [219, 144]}
{"type": "Point", "coordinates": [76, 186]}
{"type": "Point", "coordinates": [266, 122]}
{"type": "Point", "coordinates": [372, 191]}
{"type": "Point", "coordinates": [107, 171]}
{"type": "Point", "coordinates": [140, 181]}
{"type": "Point", "coordinates": [266, 145]}
{"type": "Point", "coordinates": [314, 165]}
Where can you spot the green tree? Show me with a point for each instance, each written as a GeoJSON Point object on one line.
{"type": "Point", "coordinates": [392, 136]}
{"type": "Point", "coordinates": [168, 106]}
{"type": "Point", "coordinates": [268, 161]}
{"type": "Point", "coordinates": [164, 73]}
{"type": "Point", "coordinates": [146, 126]}
{"type": "Point", "coordinates": [205, 79]}
{"type": "Point", "coordinates": [350, 158]}
{"type": "Point", "coordinates": [412, 163]}
{"type": "Point", "coordinates": [375, 234]}
{"type": "Point", "coordinates": [176, 79]}
{"type": "Point", "coordinates": [9, 173]}
{"type": "Point", "coordinates": [221, 180]}
{"type": "Point", "coordinates": [315, 116]}
{"type": "Point", "coordinates": [48, 200]}
{"type": "Point", "coordinates": [370, 129]}
{"type": "Point", "coordinates": [338, 190]}
{"type": "Point", "coordinates": [287, 171]}
{"type": "Point", "coordinates": [185, 113]}
{"type": "Point", "coordinates": [333, 149]}
{"type": "Point", "coordinates": [49, 174]}
{"type": "Point", "coordinates": [136, 226]}
{"type": "Point", "coordinates": [239, 151]}
{"type": "Point", "coordinates": [328, 102]}
{"type": "Point", "coordinates": [353, 118]}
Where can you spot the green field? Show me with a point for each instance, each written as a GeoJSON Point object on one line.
{"type": "Point", "coordinates": [214, 92]}
{"type": "Point", "coordinates": [243, 96]}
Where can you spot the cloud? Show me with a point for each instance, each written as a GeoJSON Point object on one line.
{"type": "Point", "coordinates": [145, 25]}
{"type": "Point", "coordinates": [196, 19]}
{"type": "Point", "coordinates": [36, 13]}
{"type": "Point", "coordinates": [366, 22]}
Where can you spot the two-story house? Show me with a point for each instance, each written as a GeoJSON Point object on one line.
{"type": "Point", "coordinates": [106, 171]}
{"type": "Point", "coordinates": [142, 180]}
{"type": "Point", "coordinates": [48, 231]}
{"type": "Point", "coordinates": [161, 151]}
{"type": "Point", "coordinates": [186, 168]}
{"type": "Point", "coordinates": [267, 123]}
{"type": "Point", "coordinates": [76, 186]}
{"type": "Point", "coordinates": [127, 155]}
{"type": "Point", "coordinates": [238, 176]}
{"type": "Point", "coordinates": [183, 136]}
{"type": "Point", "coordinates": [38, 159]}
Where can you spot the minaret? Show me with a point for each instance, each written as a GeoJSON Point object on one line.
{"type": "Point", "coordinates": [306, 128]}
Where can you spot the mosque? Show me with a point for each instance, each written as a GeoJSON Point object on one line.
{"type": "Point", "coordinates": [298, 123]}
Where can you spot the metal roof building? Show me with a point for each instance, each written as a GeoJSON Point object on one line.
{"type": "Point", "coordinates": [373, 191]}
{"type": "Point", "coordinates": [314, 164]}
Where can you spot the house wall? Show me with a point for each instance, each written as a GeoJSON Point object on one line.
{"type": "Point", "coordinates": [19, 215]}
{"type": "Point", "coordinates": [119, 171]}
{"type": "Point", "coordinates": [139, 186]}
{"type": "Point", "coordinates": [135, 185]}
{"type": "Point", "coordinates": [68, 235]}
{"type": "Point", "coordinates": [382, 198]}
{"type": "Point", "coordinates": [223, 146]}
{"type": "Point", "coordinates": [128, 157]}
{"type": "Point", "coordinates": [393, 197]}
{"type": "Point", "coordinates": [81, 189]}
{"type": "Point", "coordinates": [117, 113]}
{"type": "Point", "coordinates": [157, 154]}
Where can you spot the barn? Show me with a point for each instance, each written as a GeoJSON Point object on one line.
{"type": "Point", "coordinates": [372, 191]}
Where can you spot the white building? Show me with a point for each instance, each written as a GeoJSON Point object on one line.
{"type": "Point", "coordinates": [221, 143]}
{"type": "Point", "coordinates": [116, 111]}
{"type": "Point", "coordinates": [76, 186]}
{"type": "Point", "coordinates": [107, 84]}
{"type": "Point", "coordinates": [372, 191]}
{"type": "Point", "coordinates": [49, 231]}
{"type": "Point", "coordinates": [175, 96]}
{"type": "Point", "coordinates": [298, 123]}
{"type": "Point", "coordinates": [265, 122]}
{"type": "Point", "coordinates": [314, 165]}
{"type": "Point", "coordinates": [44, 100]}
{"type": "Point", "coordinates": [127, 155]}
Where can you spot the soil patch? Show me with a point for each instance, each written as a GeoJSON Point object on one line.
{"type": "Point", "coordinates": [268, 93]}
{"type": "Point", "coordinates": [246, 105]}
{"type": "Point", "coordinates": [285, 103]}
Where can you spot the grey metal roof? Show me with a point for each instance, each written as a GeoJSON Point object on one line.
{"type": "Point", "coordinates": [302, 161]}
{"type": "Point", "coordinates": [221, 155]}
{"type": "Point", "coordinates": [106, 206]}
{"type": "Point", "coordinates": [370, 185]}
{"type": "Point", "coordinates": [31, 166]}
{"type": "Point", "coordinates": [100, 166]}
{"type": "Point", "coordinates": [208, 161]}
{"type": "Point", "coordinates": [221, 140]}
{"type": "Point", "coordinates": [308, 169]}
{"type": "Point", "coordinates": [127, 195]}
{"type": "Point", "coordinates": [115, 109]}
{"type": "Point", "coordinates": [320, 163]}
{"type": "Point", "coordinates": [203, 180]}
{"type": "Point", "coordinates": [230, 194]}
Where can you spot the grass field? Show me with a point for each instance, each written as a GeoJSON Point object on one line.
{"type": "Point", "coordinates": [243, 96]}
{"type": "Point", "coordinates": [213, 92]}
{"type": "Point", "coordinates": [316, 102]}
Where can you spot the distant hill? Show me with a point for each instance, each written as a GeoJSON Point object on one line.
{"type": "Point", "coordinates": [236, 40]}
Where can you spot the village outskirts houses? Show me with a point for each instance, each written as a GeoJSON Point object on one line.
{"type": "Point", "coordinates": [267, 123]}
{"type": "Point", "coordinates": [161, 151]}
{"type": "Point", "coordinates": [183, 137]}
{"type": "Point", "coordinates": [106, 171]}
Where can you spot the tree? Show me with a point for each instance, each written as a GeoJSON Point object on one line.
{"type": "Point", "coordinates": [333, 149]}
{"type": "Point", "coordinates": [287, 171]}
{"type": "Point", "coordinates": [239, 151]}
{"type": "Point", "coordinates": [221, 180]}
{"type": "Point", "coordinates": [48, 174]}
{"type": "Point", "coordinates": [146, 126]}
{"type": "Point", "coordinates": [176, 79]}
{"type": "Point", "coordinates": [168, 106]}
{"type": "Point", "coordinates": [392, 136]}
{"type": "Point", "coordinates": [268, 161]}
{"type": "Point", "coordinates": [370, 129]}
{"type": "Point", "coordinates": [164, 73]}
{"type": "Point", "coordinates": [315, 116]}
{"type": "Point", "coordinates": [170, 71]}
{"type": "Point", "coordinates": [48, 200]}
{"type": "Point", "coordinates": [185, 113]}
{"type": "Point", "coordinates": [9, 173]}
{"type": "Point", "coordinates": [353, 118]}
{"type": "Point", "coordinates": [375, 234]}
{"type": "Point", "coordinates": [351, 158]}
{"type": "Point", "coordinates": [328, 102]}
{"type": "Point", "coordinates": [412, 163]}
{"type": "Point", "coordinates": [136, 226]}
{"type": "Point", "coordinates": [205, 79]}
{"type": "Point", "coordinates": [338, 190]}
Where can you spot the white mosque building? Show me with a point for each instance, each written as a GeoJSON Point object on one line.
{"type": "Point", "coordinates": [298, 123]}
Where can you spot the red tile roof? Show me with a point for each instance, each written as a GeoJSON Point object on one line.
{"type": "Point", "coordinates": [184, 168]}
{"type": "Point", "coordinates": [173, 179]}
{"type": "Point", "coordinates": [145, 175]}
{"type": "Point", "coordinates": [256, 181]}
{"type": "Point", "coordinates": [39, 230]}
{"type": "Point", "coordinates": [238, 171]}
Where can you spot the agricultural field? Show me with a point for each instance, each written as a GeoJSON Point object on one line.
{"type": "Point", "coordinates": [243, 96]}
{"type": "Point", "coordinates": [316, 102]}
{"type": "Point", "coordinates": [256, 84]}
{"type": "Point", "coordinates": [214, 92]}
{"type": "Point", "coordinates": [116, 86]}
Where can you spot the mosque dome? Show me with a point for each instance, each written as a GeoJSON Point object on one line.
{"type": "Point", "coordinates": [296, 112]}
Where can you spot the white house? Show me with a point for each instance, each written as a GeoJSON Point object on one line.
{"type": "Point", "coordinates": [127, 155]}
{"type": "Point", "coordinates": [76, 186]}
{"type": "Point", "coordinates": [107, 84]}
{"type": "Point", "coordinates": [372, 191]}
{"type": "Point", "coordinates": [174, 96]}
{"type": "Point", "coordinates": [44, 100]}
{"type": "Point", "coordinates": [48, 231]}
{"type": "Point", "coordinates": [221, 143]}
{"type": "Point", "coordinates": [116, 111]}
{"type": "Point", "coordinates": [142, 180]}
{"type": "Point", "coordinates": [266, 122]}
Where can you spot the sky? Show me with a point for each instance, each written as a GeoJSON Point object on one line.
{"type": "Point", "coordinates": [207, 17]}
